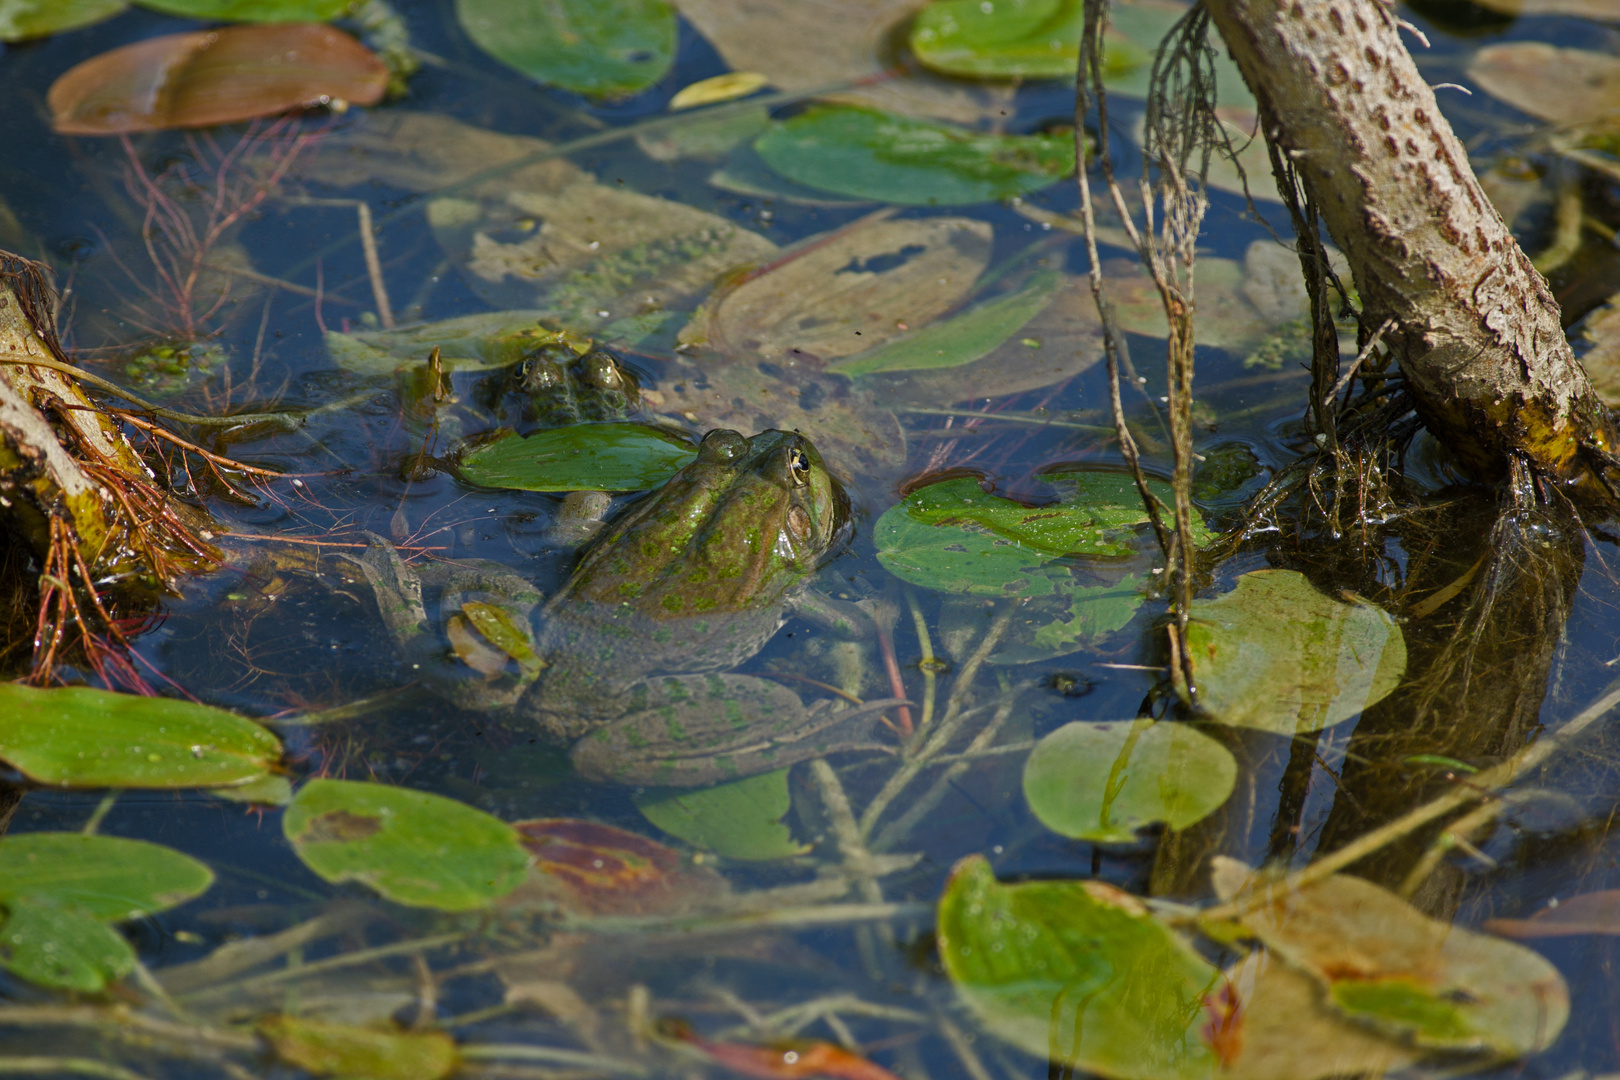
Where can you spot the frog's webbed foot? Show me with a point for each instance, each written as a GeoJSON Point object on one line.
{"type": "Point", "coordinates": [689, 730]}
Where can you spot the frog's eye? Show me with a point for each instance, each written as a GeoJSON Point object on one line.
{"type": "Point", "coordinates": [798, 467]}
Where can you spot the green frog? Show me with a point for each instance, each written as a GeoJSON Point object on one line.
{"type": "Point", "coordinates": [630, 661]}
{"type": "Point", "coordinates": [563, 380]}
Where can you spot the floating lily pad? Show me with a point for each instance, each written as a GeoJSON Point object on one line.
{"type": "Point", "coordinates": [61, 947]}
{"type": "Point", "coordinates": [253, 11]}
{"type": "Point", "coordinates": [78, 737]}
{"type": "Point", "coordinates": [482, 342]}
{"type": "Point", "coordinates": [105, 877]}
{"type": "Point", "coordinates": [961, 339]}
{"type": "Point", "coordinates": [868, 154]}
{"type": "Point", "coordinates": [1019, 39]}
{"type": "Point", "coordinates": [603, 48]}
{"type": "Point", "coordinates": [23, 19]}
{"type": "Point", "coordinates": [325, 1049]}
{"type": "Point", "coordinates": [582, 457]}
{"type": "Point", "coordinates": [1077, 971]}
{"type": "Point", "coordinates": [1568, 87]}
{"type": "Point", "coordinates": [1387, 965]}
{"type": "Point", "coordinates": [740, 819]}
{"type": "Point", "coordinates": [1103, 782]}
{"type": "Point", "coordinates": [1277, 655]}
{"type": "Point", "coordinates": [412, 847]}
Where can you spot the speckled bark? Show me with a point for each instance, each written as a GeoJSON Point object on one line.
{"type": "Point", "coordinates": [1477, 332]}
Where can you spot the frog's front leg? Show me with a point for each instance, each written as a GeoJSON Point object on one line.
{"type": "Point", "coordinates": [690, 730]}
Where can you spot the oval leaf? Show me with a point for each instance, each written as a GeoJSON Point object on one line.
{"type": "Point", "coordinates": [23, 19]}
{"type": "Point", "coordinates": [727, 87]}
{"type": "Point", "coordinates": [1569, 87]}
{"type": "Point", "coordinates": [583, 457]}
{"type": "Point", "coordinates": [106, 877]}
{"type": "Point", "coordinates": [1277, 655]}
{"type": "Point", "coordinates": [323, 1049]}
{"type": "Point", "coordinates": [412, 847]}
{"type": "Point", "coordinates": [63, 948]}
{"type": "Point", "coordinates": [254, 11]}
{"type": "Point", "coordinates": [1009, 39]}
{"type": "Point", "coordinates": [869, 154]}
{"type": "Point", "coordinates": [214, 77]}
{"type": "Point", "coordinates": [1102, 782]}
{"type": "Point", "coordinates": [1079, 971]}
{"type": "Point", "coordinates": [78, 737]}
{"type": "Point", "coordinates": [741, 819]}
{"type": "Point", "coordinates": [603, 48]}
{"type": "Point", "coordinates": [596, 869]}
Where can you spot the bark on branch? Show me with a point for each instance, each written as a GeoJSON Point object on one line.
{"type": "Point", "coordinates": [1476, 331]}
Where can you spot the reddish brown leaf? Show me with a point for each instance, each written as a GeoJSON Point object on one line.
{"type": "Point", "coordinates": [215, 77]}
{"type": "Point", "coordinates": [1588, 913]}
{"type": "Point", "coordinates": [607, 870]}
{"type": "Point", "coordinates": [782, 1061]}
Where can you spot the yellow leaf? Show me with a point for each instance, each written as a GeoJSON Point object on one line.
{"type": "Point", "coordinates": [727, 87]}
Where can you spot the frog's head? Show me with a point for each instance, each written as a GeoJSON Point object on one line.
{"type": "Point", "coordinates": [734, 530]}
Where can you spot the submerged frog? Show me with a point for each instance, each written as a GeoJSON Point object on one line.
{"type": "Point", "coordinates": [629, 660]}
{"type": "Point", "coordinates": [564, 380]}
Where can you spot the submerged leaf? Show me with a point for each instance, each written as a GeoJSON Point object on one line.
{"type": "Point", "coordinates": [1567, 87]}
{"type": "Point", "coordinates": [62, 947]}
{"type": "Point", "coordinates": [599, 869]}
{"type": "Point", "coordinates": [326, 1049]}
{"type": "Point", "coordinates": [24, 19]}
{"type": "Point", "coordinates": [1277, 655]}
{"type": "Point", "coordinates": [214, 77]}
{"type": "Point", "coordinates": [584, 457]}
{"type": "Point", "coordinates": [1585, 913]}
{"type": "Point", "coordinates": [79, 737]}
{"type": "Point", "coordinates": [1102, 782]}
{"type": "Point", "coordinates": [254, 11]}
{"type": "Point", "coordinates": [603, 48]}
{"type": "Point", "coordinates": [412, 847]}
{"type": "Point", "coordinates": [740, 819]}
{"type": "Point", "coordinates": [868, 154]}
{"type": "Point", "coordinates": [1077, 972]}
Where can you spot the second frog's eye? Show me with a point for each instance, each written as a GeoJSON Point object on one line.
{"type": "Point", "coordinates": [798, 467]}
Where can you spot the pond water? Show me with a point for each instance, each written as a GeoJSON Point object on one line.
{"type": "Point", "coordinates": [1009, 890]}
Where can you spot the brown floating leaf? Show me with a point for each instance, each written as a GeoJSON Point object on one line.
{"type": "Point", "coordinates": [1588, 913]}
{"type": "Point", "coordinates": [598, 869]}
{"type": "Point", "coordinates": [1568, 87]}
{"type": "Point", "coordinates": [214, 77]}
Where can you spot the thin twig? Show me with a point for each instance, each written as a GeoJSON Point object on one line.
{"type": "Point", "coordinates": [287, 419]}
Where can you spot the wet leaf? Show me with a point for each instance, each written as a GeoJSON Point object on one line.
{"type": "Point", "coordinates": [1076, 971]}
{"type": "Point", "coordinates": [23, 19]}
{"type": "Point", "coordinates": [710, 137]}
{"type": "Point", "coordinates": [1601, 331]}
{"type": "Point", "coordinates": [583, 457]}
{"type": "Point", "coordinates": [789, 1060]}
{"type": "Point", "coordinates": [61, 947]}
{"type": "Point", "coordinates": [869, 154]}
{"type": "Point", "coordinates": [412, 847]}
{"type": "Point", "coordinates": [603, 870]}
{"type": "Point", "coordinates": [1104, 781]}
{"type": "Point", "coordinates": [1277, 655]}
{"type": "Point", "coordinates": [727, 87]}
{"type": "Point", "coordinates": [740, 819]}
{"type": "Point", "coordinates": [1018, 39]}
{"type": "Point", "coordinates": [78, 737]}
{"type": "Point", "coordinates": [1585, 913]}
{"type": "Point", "coordinates": [490, 339]}
{"type": "Point", "coordinates": [324, 1049]}
{"type": "Point", "coordinates": [1602, 10]}
{"type": "Point", "coordinates": [1387, 965]}
{"type": "Point", "coordinates": [214, 77]}
{"type": "Point", "coordinates": [254, 11]}
{"type": "Point", "coordinates": [1568, 87]}
{"type": "Point", "coordinates": [960, 339]}
{"type": "Point", "coordinates": [269, 790]}
{"type": "Point", "coordinates": [844, 292]}
{"type": "Point", "coordinates": [104, 877]}
{"type": "Point", "coordinates": [601, 48]}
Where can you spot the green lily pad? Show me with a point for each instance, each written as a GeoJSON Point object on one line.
{"type": "Point", "coordinates": [78, 737]}
{"type": "Point", "coordinates": [1015, 39]}
{"type": "Point", "coordinates": [62, 947]}
{"type": "Point", "coordinates": [254, 11]}
{"type": "Point", "coordinates": [1277, 655]}
{"type": "Point", "coordinates": [583, 457]}
{"type": "Point", "coordinates": [105, 877]}
{"type": "Point", "coordinates": [740, 819]}
{"type": "Point", "coordinates": [1079, 972]}
{"type": "Point", "coordinates": [412, 847]}
{"type": "Point", "coordinates": [326, 1049]}
{"type": "Point", "coordinates": [602, 48]}
{"type": "Point", "coordinates": [870, 154]}
{"type": "Point", "coordinates": [23, 19]}
{"type": "Point", "coordinates": [961, 339]}
{"type": "Point", "coordinates": [481, 342]}
{"type": "Point", "coordinates": [1102, 782]}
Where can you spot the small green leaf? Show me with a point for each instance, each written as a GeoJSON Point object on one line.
{"type": "Point", "coordinates": [1277, 655]}
{"type": "Point", "coordinates": [269, 790]}
{"type": "Point", "coordinates": [412, 847]}
{"type": "Point", "coordinates": [1102, 782]}
{"type": "Point", "coordinates": [1077, 972]}
{"type": "Point", "coordinates": [601, 48]}
{"type": "Point", "coordinates": [326, 1049]}
{"type": "Point", "coordinates": [1013, 39]}
{"type": "Point", "coordinates": [78, 737]}
{"type": "Point", "coordinates": [869, 154]}
{"type": "Point", "coordinates": [23, 19]}
{"type": "Point", "coordinates": [106, 877]}
{"type": "Point", "coordinates": [959, 340]}
{"type": "Point", "coordinates": [582, 457]}
{"type": "Point", "coordinates": [62, 947]}
{"type": "Point", "coordinates": [254, 11]}
{"type": "Point", "coordinates": [741, 819]}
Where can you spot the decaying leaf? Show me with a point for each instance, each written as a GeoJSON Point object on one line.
{"type": "Point", "coordinates": [1585, 913]}
{"type": "Point", "coordinates": [596, 869]}
{"type": "Point", "coordinates": [326, 1049]}
{"type": "Point", "coordinates": [214, 77]}
{"type": "Point", "coordinates": [1567, 87]}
